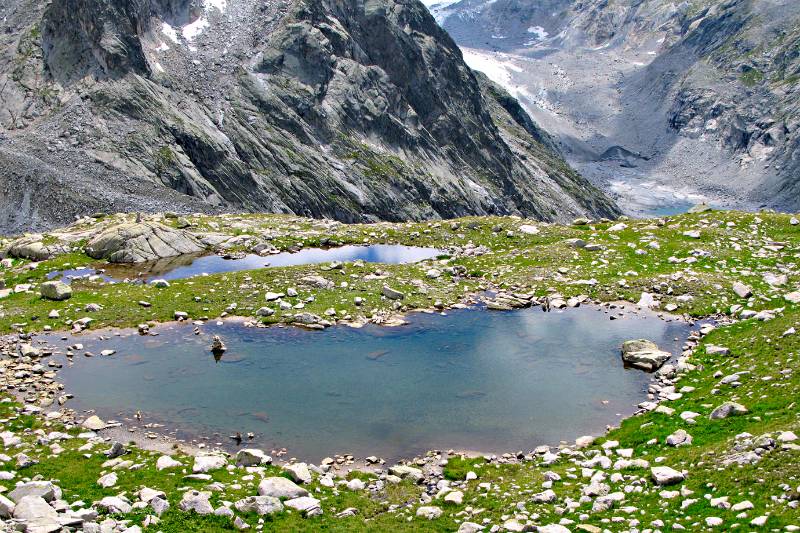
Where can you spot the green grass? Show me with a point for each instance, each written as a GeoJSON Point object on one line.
{"type": "Point", "coordinates": [539, 264]}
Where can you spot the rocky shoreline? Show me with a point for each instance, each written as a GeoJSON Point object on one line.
{"type": "Point", "coordinates": [32, 381]}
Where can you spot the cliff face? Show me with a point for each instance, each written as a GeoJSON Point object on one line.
{"type": "Point", "coordinates": [356, 110]}
{"type": "Point", "coordinates": [707, 90]}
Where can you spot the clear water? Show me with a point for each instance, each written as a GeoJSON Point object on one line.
{"type": "Point", "coordinates": [186, 266]}
{"type": "Point", "coordinates": [670, 209]}
{"type": "Point", "coordinates": [471, 380]}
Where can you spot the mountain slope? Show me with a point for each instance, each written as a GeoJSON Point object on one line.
{"type": "Point", "coordinates": [355, 110]}
{"type": "Point", "coordinates": [662, 103]}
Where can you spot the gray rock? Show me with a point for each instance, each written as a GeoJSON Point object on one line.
{"type": "Point", "coordinates": [34, 508]}
{"type": "Point", "coordinates": [679, 438]}
{"type": "Point", "coordinates": [728, 409]}
{"type": "Point", "coordinates": [403, 472]}
{"type": "Point", "coordinates": [644, 354]}
{"type": "Point", "coordinates": [138, 242]}
{"type": "Point", "coordinates": [742, 290]}
{"type": "Point", "coordinates": [252, 457]}
{"type": "Point", "coordinates": [34, 249]}
{"type": "Point", "coordinates": [664, 476]}
{"type": "Point", "coordinates": [391, 293]}
{"type": "Point", "coordinates": [280, 487]}
{"type": "Point", "coordinates": [114, 504]}
{"type": "Point", "coordinates": [307, 506]}
{"type": "Point", "coordinates": [299, 472]}
{"type": "Point", "coordinates": [429, 512]}
{"type": "Point", "coordinates": [196, 501]}
{"type": "Point", "coordinates": [43, 489]}
{"type": "Point", "coordinates": [159, 505]}
{"type": "Point", "coordinates": [55, 290]}
{"type": "Point", "coordinates": [208, 462]}
{"type": "Point", "coordinates": [6, 507]}
{"type": "Point", "coordinates": [261, 505]}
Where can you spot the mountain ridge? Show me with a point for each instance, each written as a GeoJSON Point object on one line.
{"type": "Point", "coordinates": [356, 110]}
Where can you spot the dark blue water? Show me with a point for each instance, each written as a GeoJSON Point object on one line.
{"type": "Point", "coordinates": [192, 265]}
{"type": "Point", "coordinates": [474, 380]}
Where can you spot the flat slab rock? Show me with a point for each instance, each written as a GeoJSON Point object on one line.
{"type": "Point", "coordinates": [139, 242]}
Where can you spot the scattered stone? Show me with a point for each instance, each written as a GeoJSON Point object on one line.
{"type": "Point", "coordinates": [299, 472]}
{"type": "Point", "coordinates": [742, 290]}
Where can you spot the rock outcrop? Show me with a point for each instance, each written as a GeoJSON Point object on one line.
{"type": "Point", "coordinates": [355, 110]}
{"type": "Point", "coordinates": [138, 242]}
{"type": "Point", "coordinates": [702, 97]}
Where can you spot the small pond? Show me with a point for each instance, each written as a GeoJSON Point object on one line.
{"type": "Point", "coordinates": [186, 266]}
{"type": "Point", "coordinates": [471, 380]}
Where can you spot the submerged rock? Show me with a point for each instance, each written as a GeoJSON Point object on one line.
{"type": "Point", "coordinates": [217, 346]}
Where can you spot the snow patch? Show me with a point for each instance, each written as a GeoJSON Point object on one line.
{"type": "Point", "coordinates": [170, 32]}
{"type": "Point", "coordinates": [218, 4]}
{"type": "Point", "coordinates": [538, 32]}
{"type": "Point", "coordinates": [439, 9]}
{"type": "Point", "coordinates": [191, 31]}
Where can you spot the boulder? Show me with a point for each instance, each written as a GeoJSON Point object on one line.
{"type": "Point", "coordinates": [165, 461]}
{"type": "Point", "coordinates": [403, 471]}
{"type": "Point", "coordinates": [679, 438]}
{"type": "Point", "coordinates": [664, 475]}
{"type": "Point", "coordinates": [728, 409]}
{"type": "Point", "coordinates": [32, 247]}
{"type": "Point", "coordinates": [299, 472]}
{"type": "Point", "coordinates": [196, 501]}
{"type": "Point", "coordinates": [391, 293]}
{"type": "Point", "coordinates": [429, 512]}
{"type": "Point", "coordinates": [252, 457]}
{"type": "Point", "coordinates": [114, 504]}
{"type": "Point", "coordinates": [307, 506]}
{"type": "Point", "coordinates": [42, 489]}
{"type": "Point", "coordinates": [206, 463]}
{"type": "Point", "coordinates": [6, 507]}
{"type": "Point", "coordinates": [34, 508]}
{"type": "Point", "coordinates": [142, 241]}
{"type": "Point", "coordinates": [280, 487]}
{"type": "Point", "coordinates": [742, 290]}
{"type": "Point", "coordinates": [261, 505]}
{"type": "Point", "coordinates": [94, 423]}
{"type": "Point", "coordinates": [644, 354]}
{"type": "Point", "coordinates": [55, 290]}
